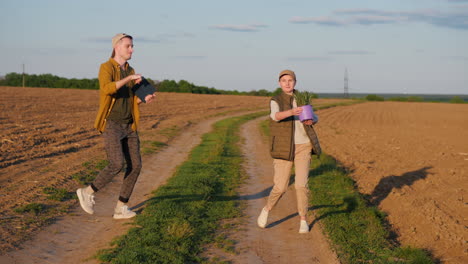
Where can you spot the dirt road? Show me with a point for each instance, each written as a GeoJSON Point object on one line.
{"type": "Point", "coordinates": [280, 241]}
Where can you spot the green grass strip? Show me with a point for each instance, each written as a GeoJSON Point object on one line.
{"type": "Point", "coordinates": [183, 215]}
{"type": "Point", "coordinates": [356, 229]}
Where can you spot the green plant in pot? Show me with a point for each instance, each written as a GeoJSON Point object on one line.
{"type": "Point", "coordinates": [304, 100]}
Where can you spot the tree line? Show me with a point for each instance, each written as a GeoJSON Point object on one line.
{"type": "Point", "coordinates": [182, 86]}
{"type": "Point", "coordinates": [453, 100]}
{"type": "Point", "coordinates": [48, 81]}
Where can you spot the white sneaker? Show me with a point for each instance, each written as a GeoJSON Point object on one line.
{"type": "Point", "coordinates": [262, 218]}
{"type": "Point", "coordinates": [123, 213]}
{"type": "Point", "coordinates": [304, 227]}
{"type": "Point", "coordinates": [86, 200]}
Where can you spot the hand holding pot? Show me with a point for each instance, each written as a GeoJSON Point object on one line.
{"type": "Point", "coordinates": [296, 111]}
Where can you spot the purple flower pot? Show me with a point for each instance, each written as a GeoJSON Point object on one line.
{"type": "Point", "coordinates": [307, 113]}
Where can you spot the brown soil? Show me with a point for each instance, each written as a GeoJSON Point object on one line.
{"type": "Point", "coordinates": [411, 159]}
{"type": "Point", "coordinates": [48, 135]}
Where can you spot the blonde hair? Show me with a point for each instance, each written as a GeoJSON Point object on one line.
{"type": "Point", "coordinates": [113, 48]}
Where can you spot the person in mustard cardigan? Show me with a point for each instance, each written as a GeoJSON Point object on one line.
{"type": "Point", "coordinates": [117, 119]}
{"type": "Point", "coordinates": [292, 142]}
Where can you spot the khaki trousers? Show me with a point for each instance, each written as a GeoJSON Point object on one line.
{"type": "Point", "coordinates": [283, 173]}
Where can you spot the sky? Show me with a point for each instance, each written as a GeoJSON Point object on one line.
{"type": "Point", "coordinates": [393, 46]}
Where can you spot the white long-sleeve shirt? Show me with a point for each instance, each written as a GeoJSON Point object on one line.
{"type": "Point", "coordinates": [300, 135]}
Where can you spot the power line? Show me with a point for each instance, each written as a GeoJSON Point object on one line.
{"type": "Point", "coordinates": [23, 75]}
{"type": "Point", "coordinates": [346, 93]}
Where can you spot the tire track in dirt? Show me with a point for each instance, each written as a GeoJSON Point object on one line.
{"type": "Point", "coordinates": [76, 238]}
{"type": "Point", "coordinates": [280, 242]}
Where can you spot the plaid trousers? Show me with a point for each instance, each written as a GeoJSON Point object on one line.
{"type": "Point", "coordinates": [122, 145]}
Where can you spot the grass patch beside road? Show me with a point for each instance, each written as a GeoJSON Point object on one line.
{"type": "Point", "coordinates": [184, 214]}
{"type": "Point", "coordinates": [357, 230]}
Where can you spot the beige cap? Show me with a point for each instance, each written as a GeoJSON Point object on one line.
{"type": "Point", "coordinates": [118, 37]}
{"type": "Point", "coordinates": [287, 72]}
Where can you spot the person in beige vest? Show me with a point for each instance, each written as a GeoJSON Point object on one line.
{"type": "Point", "coordinates": [292, 143]}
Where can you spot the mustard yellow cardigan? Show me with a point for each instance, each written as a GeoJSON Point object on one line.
{"type": "Point", "coordinates": [109, 73]}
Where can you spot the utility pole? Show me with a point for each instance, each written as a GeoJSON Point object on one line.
{"type": "Point", "coordinates": [346, 94]}
{"type": "Point", "coordinates": [23, 75]}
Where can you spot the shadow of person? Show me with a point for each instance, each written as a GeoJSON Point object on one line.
{"type": "Point", "coordinates": [219, 198]}
{"type": "Point", "coordinates": [264, 193]}
{"type": "Point", "coordinates": [350, 204]}
{"type": "Point", "coordinates": [388, 183]}
{"type": "Point", "coordinates": [254, 196]}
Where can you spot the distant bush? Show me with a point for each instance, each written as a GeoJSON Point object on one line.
{"type": "Point", "coordinates": [398, 99]}
{"type": "Point", "coordinates": [415, 99]}
{"type": "Point", "coordinates": [457, 100]}
{"type": "Point", "coordinates": [277, 91]}
{"type": "Point", "coordinates": [407, 99]}
{"type": "Point", "coordinates": [373, 97]}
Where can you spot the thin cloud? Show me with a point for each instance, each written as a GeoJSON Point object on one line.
{"type": "Point", "coordinates": [161, 38]}
{"type": "Point", "coordinates": [168, 37]}
{"type": "Point", "coordinates": [363, 11]}
{"type": "Point", "coordinates": [109, 39]}
{"type": "Point", "coordinates": [240, 28]}
{"type": "Point", "coordinates": [349, 52]}
{"type": "Point", "coordinates": [56, 51]}
{"type": "Point", "coordinates": [365, 16]}
{"type": "Point", "coordinates": [326, 21]}
{"type": "Point", "coordinates": [147, 40]}
{"type": "Point", "coordinates": [190, 57]}
{"type": "Point", "coordinates": [371, 20]}
{"type": "Point", "coordinates": [457, 18]}
{"type": "Point", "coordinates": [458, 58]}
{"type": "Point", "coordinates": [99, 39]}
{"type": "Point", "coordinates": [312, 58]}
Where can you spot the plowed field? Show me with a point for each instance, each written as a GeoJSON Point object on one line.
{"type": "Point", "coordinates": [411, 160]}
{"type": "Point", "coordinates": [47, 134]}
